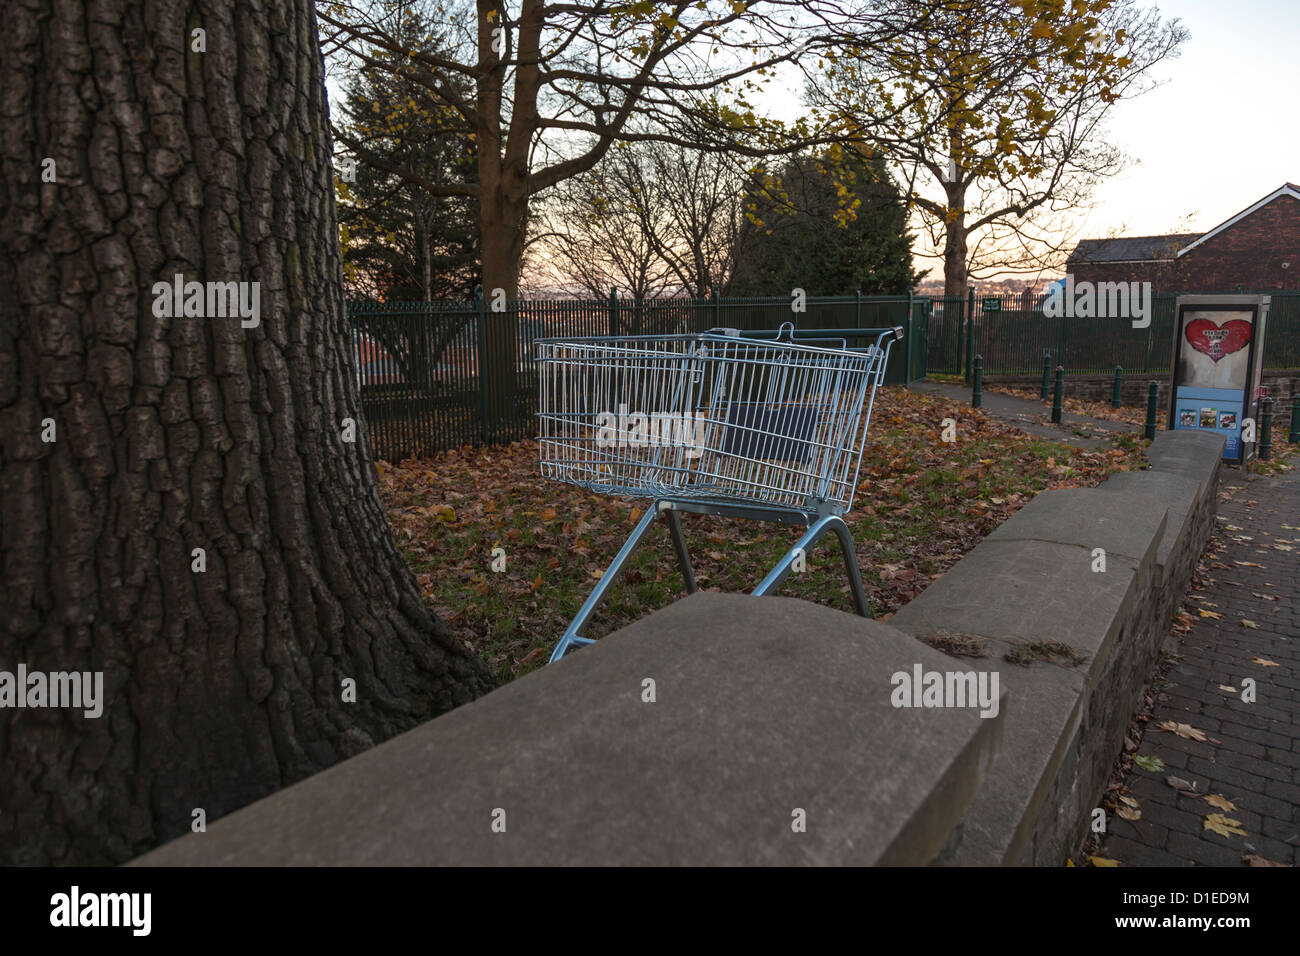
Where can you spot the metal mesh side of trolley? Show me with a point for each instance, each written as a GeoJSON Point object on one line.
{"type": "Point", "coordinates": [782, 423]}
{"type": "Point", "coordinates": [705, 416]}
{"type": "Point", "coordinates": [615, 414]}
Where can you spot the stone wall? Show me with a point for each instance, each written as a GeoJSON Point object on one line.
{"type": "Point", "coordinates": [766, 735]}
{"type": "Point", "coordinates": [733, 730]}
{"type": "Point", "coordinates": [1075, 644]}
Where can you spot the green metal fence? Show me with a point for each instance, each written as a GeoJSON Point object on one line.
{"type": "Point", "coordinates": [418, 363]}
{"type": "Point", "coordinates": [1012, 333]}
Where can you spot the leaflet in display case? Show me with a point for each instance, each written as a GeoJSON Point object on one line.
{"type": "Point", "coordinates": [1218, 351]}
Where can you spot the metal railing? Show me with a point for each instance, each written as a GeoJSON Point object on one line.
{"type": "Point", "coordinates": [441, 375]}
{"type": "Point", "coordinates": [418, 363]}
{"type": "Point", "coordinates": [1013, 333]}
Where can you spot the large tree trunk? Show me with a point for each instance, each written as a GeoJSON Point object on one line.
{"type": "Point", "coordinates": [503, 224]}
{"type": "Point", "coordinates": [954, 249]}
{"type": "Point", "coordinates": [175, 434]}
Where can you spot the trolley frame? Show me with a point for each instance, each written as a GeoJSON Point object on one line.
{"type": "Point", "coordinates": [818, 515]}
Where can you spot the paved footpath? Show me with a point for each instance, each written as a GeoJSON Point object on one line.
{"type": "Point", "coordinates": [1081, 431]}
{"type": "Point", "coordinates": [1251, 752]}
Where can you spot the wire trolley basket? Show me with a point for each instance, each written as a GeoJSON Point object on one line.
{"type": "Point", "coordinates": [767, 425]}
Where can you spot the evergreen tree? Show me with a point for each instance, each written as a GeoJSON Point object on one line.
{"type": "Point", "coordinates": [829, 224]}
{"type": "Point", "coordinates": [402, 241]}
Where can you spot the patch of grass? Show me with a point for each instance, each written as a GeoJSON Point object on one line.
{"type": "Point", "coordinates": [1280, 457]}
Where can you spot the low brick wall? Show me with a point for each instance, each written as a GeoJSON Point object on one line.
{"type": "Point", "coordinates": [1088, 638]}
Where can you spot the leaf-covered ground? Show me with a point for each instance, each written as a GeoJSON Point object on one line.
{"type": "Point", "coordinates": [921, 504]}
{"type": "Point", "coordinates": [1280, 451]}
{"type": "Point", "coordinates": [1078, 406]}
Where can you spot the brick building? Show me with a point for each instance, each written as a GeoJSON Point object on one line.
{"type": "Point", "coordinates": [1258, 249]}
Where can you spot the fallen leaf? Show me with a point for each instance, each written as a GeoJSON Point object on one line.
{"type": "Point", "coordinates": [1250, 624]}
{"type": "Point", "coordinates": [1247, 564]}
{"type": "Point", "coordinates": [1265, 663]}
{"type": "Point", "coordinates": [1255, 859]}
{"type": "Point", "coordinates": [1128, 813]}
{"type": "Point", "coordinates": [548, 514]}
{"type": "Point", "coordinates": [1102, 861]}
{"type": "Point", "coordinates": [1228, 690]}
{"type": "Point", "coordinates": [1181, 785]}
{"type": "Point", "coordinates": [1219, 802]}
{"type": "Point", "coordinates": [1218, 823]}
{"type": "Point", "coordinates": [1182, 730]}
{"type": "Point", "coordinates": [1151, 764]}
{"type": "Point", "coordinates": [532, 657]}
{"type": "Point", "coordinates": [1129, 801]}
{"type": "Point", "coordinates": [1214, 614]}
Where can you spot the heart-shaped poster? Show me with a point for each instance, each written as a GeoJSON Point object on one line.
{"type": "Point", "coordinates": [1216, 340]}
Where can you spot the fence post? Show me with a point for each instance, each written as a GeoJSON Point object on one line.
{"type": "Point", "coordinates": [970, 329]}
{"type": "Point", "coordinates": [977, 393]}
{"type": "Point", "coordinates": [1153, 399]}
{"type": "Point", "coordinates": [907, 352]}
{"type": "Point", "coordinates": [961, 334]}
{"type": "Point", "coordinates": [1057, 389]}
{"type": "Point", "coordinates": [480, 337]}
{"type": "Point", "coordinates": [857, 312]}
{"type": "Point", "coordinates": [1294, 435]}
{"type": "Point", "coordinates": [1116, 401]}
{"type": "Point", "coordinates": [1047, 375]}
{"type": "Point", "coordinates": [717, 311]}
{"type": "Point", "coordinates": [1060, 346]}
{"type": "Point", "coordinates": [1265, 428]}
{"type": "Point", "coordinates": [613, 311]}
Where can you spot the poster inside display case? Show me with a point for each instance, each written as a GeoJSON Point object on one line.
{"type": "Point", "coordinates": [1218, 351]}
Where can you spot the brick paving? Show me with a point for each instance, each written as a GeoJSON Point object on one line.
{"type": "Point", "coordinates": [1251, 754]}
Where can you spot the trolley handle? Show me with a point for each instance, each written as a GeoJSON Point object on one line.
{"type": "Point", "coordinates": [787, 332]}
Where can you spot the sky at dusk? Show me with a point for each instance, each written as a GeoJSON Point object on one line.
{"type": "Point", "coordinates": [1223, 130]}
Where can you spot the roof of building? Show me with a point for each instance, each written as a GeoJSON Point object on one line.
{"type": "Point", "coordinates": [1131, 248]}
{"type": "Point", "coordinates": [1286, 189]}
{"type": "Point", "coordinates": [1171, 246]}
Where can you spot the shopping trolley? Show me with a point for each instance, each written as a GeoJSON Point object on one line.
{"type": "Point", "coordinates": [764, 425]}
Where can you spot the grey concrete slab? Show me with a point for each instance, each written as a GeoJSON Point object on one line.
{"type": "Point", "coordinates": [763, 705]}
{"type": "Point", "coordinates": [1187, 452]}
{"type": "Point", "coordinates": [1177, 493]}
{"type": "Point", "coordinates": [1120, 523]}
{"type": "Point", "coordinates": [1023, 591]}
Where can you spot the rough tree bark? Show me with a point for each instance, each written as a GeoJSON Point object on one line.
{"type": "Point", "coordinates": [955, 277]}
{"type": "Point", "coordinates": [184, 433]}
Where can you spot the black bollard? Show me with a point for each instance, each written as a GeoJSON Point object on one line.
{"type": "Point", "coordinates": [1153, 399]}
